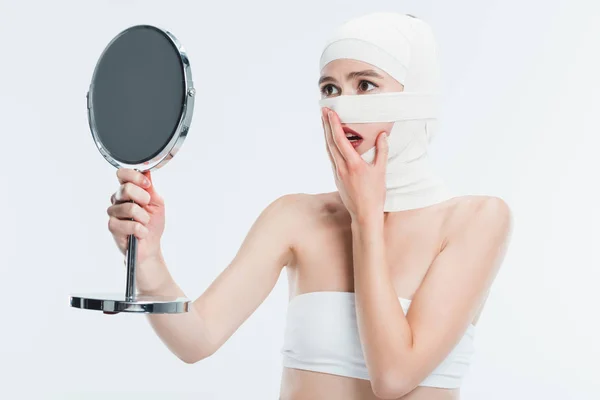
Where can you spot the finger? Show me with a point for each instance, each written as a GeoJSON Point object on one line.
{"type": "Point", "coordinates": [130, 175]}
{"type": "Point", "coordinates": [333, 148]}
{"type": "Point", "coordinates": [382, 151]}
{"type": "Point", "coordinates": [332, 161]}
{"type": "Point", "coordinates": [130, 192]}
{"type": "Point", "coordinates": [148, 176]}
{"type": "Point", "coordinates": [339, 138]}
{"type": "Point", "coordinates": [335, 164]}
{"type": "Point", "coordinates": [120, 227]}
{"type": "Point", "coordinates": [325, 136]}
{"type": "Point", "coordinates": [150, 188]}
{"type": "Point", "coordinates": [339, 161]}
{"type": "Point", "coordinates": [129, 211]}
{"type": "Point", "coordinates": [327, 144]}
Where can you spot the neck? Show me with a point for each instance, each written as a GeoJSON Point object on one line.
{"type": "Point", "coordinates": [414, 184]}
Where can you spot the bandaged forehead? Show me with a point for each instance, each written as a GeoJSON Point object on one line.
{"type": "Point", "coordinates": [399, 44]}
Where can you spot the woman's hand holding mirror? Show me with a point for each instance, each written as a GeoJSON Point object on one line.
{"type": "Point", "coordinates": [138, 210]}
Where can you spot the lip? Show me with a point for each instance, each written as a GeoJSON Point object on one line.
{"type": "Point", "coordinates": [356, 143]}
{"type": "Point", "coordinates": [353, 132]}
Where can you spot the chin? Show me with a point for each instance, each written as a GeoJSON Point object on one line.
{"type": "Point", "coordinates": [363, 148]}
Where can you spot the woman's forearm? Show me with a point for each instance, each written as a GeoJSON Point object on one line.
{"type": "Point", "coordinates": [185, 334]}
{"type": "Point", "coordinates": [384, 330]}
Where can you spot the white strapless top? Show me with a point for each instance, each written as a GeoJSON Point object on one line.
{"type": "Point", "coordinates": [321, 334]}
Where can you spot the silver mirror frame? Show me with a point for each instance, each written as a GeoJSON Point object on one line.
{"type": "Point", "coordinates": [183, 125]}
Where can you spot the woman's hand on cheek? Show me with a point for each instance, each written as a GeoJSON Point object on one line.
{"type": "Point", "coordinates": [361, 185]}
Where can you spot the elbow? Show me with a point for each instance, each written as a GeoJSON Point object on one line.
{"type": "Point", "coordinates": [391, 385]}
{"type": "Point", "coordinates": [193, 357]}
{"type": "Point", "coordinates": [188, 359]}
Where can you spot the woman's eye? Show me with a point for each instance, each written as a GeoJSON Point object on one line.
{"type": "Point", "coordinates": [324, 90]}
{"type": "Point", "coordinates": [364, 85]}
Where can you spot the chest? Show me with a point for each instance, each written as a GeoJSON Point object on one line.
{"type": "Point", "coordinates": [324, 255]}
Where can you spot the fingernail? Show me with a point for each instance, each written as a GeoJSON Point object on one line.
{"type": "Point", "coordinates": [146, 182]}
{"type": "Point", "coordinates": [329, 113]}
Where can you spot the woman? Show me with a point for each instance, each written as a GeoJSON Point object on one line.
{"type": "Point", "coordinates": [391, 238]}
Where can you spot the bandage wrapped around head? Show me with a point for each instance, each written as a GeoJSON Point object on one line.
{"type": "Point", "coordinates": [404, 47]}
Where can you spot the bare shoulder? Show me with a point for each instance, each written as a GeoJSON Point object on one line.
{"type": "Point", "coordinates": [486, 217]}
{"type": "Point", "coordinates": [307, 206]}
{"type": "Point", "coordinates": [471, 209]}
{"type": "Point", "coordinates": [299, 218]}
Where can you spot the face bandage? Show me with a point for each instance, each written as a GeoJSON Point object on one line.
{"type": "Point", "coordinates": [404, 47]}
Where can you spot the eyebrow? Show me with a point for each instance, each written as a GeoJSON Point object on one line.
{"type": "Point", "coordinates": [351, 75]}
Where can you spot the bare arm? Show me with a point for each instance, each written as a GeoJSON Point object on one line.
{"type": "Point", "coordinates": [234, 295]}
{"type": "Point", "coordinates": [400, 351]}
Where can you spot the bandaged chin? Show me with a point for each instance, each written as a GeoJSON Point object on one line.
{"type": "Point", "coordinates": [404, 47]}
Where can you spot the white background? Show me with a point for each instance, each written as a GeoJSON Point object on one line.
{"type": "Point", "coordinates": [521, 84]}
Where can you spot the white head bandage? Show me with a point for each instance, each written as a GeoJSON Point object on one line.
{"type": "Point", "coordinates": [404, 47]}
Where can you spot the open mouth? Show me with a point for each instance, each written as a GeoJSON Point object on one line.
{"type": "Point", "coordinates": [352, 136]}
